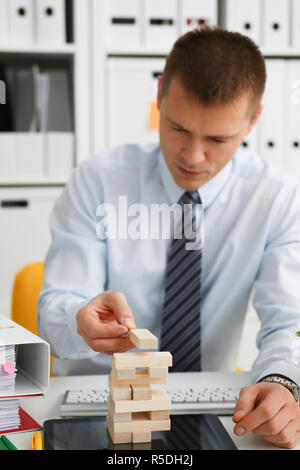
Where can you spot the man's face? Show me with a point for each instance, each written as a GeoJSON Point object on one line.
{"type": "Point", "coordinates": [198, 141]}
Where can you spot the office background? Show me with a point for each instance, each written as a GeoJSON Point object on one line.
{"type": "Point", "coordinates": [81, 77]}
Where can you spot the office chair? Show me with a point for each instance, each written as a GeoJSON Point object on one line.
{"type": "Point", "coordinates": [26, 289]}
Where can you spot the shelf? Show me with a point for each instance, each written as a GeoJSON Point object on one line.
{"type": "Point", "coordinates": [143, 51]}
{"type": "Point", "coordinates": [32, 182]}
{"type": "Point", "coordinates": [289, 53]}
{"type": "Point", "coordinates": [40, 49]}
{"type": "Point", "coordinates": [139, 51]}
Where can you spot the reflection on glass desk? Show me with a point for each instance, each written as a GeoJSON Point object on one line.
{"type": "Point", "coordinates": [188, 432]}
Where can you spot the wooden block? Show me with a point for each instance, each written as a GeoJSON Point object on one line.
{"type": "Point", "coordinates": [141, 423]}
{"type": "Point", "coordinates": [121, 392]}
{"type": "Point", "coordinates": [118, 437]}
{"type": "Point", "coordinates": [141, 392]}
{"type": "Point", "coordinates": [141, 437]}
{"type": "Point", "coordinates": [141, 359]}
{"type": "Point", "coordinates": [143, 339]}
{"type": "Point", "coordinates": [124, 373]}
{"type": "Point", "coordinates": [160, 401]}
{"type": "Point", "coordinates": [158, 372]}
{"type": "Point", "coordinates": [120, 417]}
{"type": "Point", "coordinates": [161, 414]}
{"type": "Point", "coordinates": [141, 377]}
{"type": "Point", "coordinates": [112, 446]}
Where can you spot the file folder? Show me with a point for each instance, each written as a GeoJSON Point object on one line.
{"type": "Point", "coordinates": [4, 22]}
{"type": "Point", "coordinates": [248, 18]}
{"type": "Point", "coordinates": [271, 129]}
{"type": "Point", "coordinates": [50, 21]}
{"type": "Point", "coordinates": [292, 150]}
{"type": "Point", "coordinates": [250, 142]}
{"type": "Point", "coordinates": [296, 25]}
{"type": "Point", "coordinates": [161, 23]}
{"type": "Point", "coordinates": [32, 360]}
{"type": "Point", "coordinates": [60, 154]}
{"type": "Point", "coordinates": [22, 22]}
{"type": "Point", "coordinates": [124, 23]}
{"type": "Point", "coordinates": [133, 120]}
{"type": "Point", "coordinates": [196, 14]}
{"type": "Point", "coordinates": [276, 24]}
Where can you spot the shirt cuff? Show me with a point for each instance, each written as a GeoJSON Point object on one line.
{"type": "Point", "coordinates": [80, 346]}
{"type": "Point", "coordinates": [288, 370]}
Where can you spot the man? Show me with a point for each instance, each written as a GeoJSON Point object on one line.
{"type": "Point", "coordinates": [97, 285]}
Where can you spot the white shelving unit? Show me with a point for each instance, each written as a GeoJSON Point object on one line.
{"type": "Point", "coordinates": [77, 54]}
{"type": "Point", "coordinates": [26, 202]}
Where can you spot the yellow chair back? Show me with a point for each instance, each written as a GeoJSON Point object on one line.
{"type": "Point", "coordinates": [25, 294]}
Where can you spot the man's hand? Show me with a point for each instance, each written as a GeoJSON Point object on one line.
{"type": "Point", "coordinates": [104, 322]}
{"type": "Point", "coordinates": [269, 410]}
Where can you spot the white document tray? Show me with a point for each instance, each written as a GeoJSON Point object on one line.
{"type": "Point", "coordinates": [32, 359]}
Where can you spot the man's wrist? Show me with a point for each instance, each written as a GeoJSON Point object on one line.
{"type": "Point", "coordinates": [286, 382]}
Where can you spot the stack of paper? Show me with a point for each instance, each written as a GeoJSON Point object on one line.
{"type": "Point", "coordinates": [9, 415]}
{"type": "Point", "coordinates": [9, 409]}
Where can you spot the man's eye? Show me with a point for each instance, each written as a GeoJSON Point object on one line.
{"type": "Point", "coordinates": [177, 129]}
{"type": "Point", "coordinates": [218, 141]}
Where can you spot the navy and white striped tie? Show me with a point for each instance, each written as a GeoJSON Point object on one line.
{"type": "Point", "coordinates": [181, 311]}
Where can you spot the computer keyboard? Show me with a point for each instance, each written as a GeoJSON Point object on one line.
{"type": "Point", "coordinates": [91, 402]}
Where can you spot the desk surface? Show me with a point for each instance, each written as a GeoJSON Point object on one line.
{"type": "Point", "coordinates": [44, 408]}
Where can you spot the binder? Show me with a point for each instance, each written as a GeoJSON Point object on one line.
{"type": "Point", "coordinates": [50, 21]}
{"type": "Point", "coordinates": [124, 23]}
{"type": "Point", "coordinates": [295, 24]}
{"type": "Point", "coordinates": [161, 23]}
{"type": "Point", "coordinates": [276, 24]}
{"type": "Point", "coordinates": [32, 360]}
{"type": "Point", "coordinates": [271, 129]}
{"type": "Point", "coordinates": [8, 164]}
{"type": "Point", "coordinates": [248, 19]}
{"type": "Point", "coordinates": [60, 154]}
{"type": "Point", "coordinates": [22, 22]}
{"type": "Point", "coordinates": [30, 155]}
{"type": "Point", "coordinates": [250, 142]}
{"type": "Point", "coordinates": [4, 22]}
{"type": "Point", "coordinates": [133, 120]}
{"type": "Point", "coordinates": [196, 14]}
{"type": "Point", "coordinates": [292, 150]}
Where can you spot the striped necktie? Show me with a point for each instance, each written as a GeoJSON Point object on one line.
{"type": "Point", "coordinates": [181, 311]}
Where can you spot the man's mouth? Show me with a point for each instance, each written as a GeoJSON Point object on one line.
{"type": "Point", "coordinates": [190, 174]}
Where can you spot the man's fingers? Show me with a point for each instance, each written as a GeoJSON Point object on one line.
{"type": "Point", "coordinates": [289, 412]}
{"type": "Point", "coordinates": [97, 328]}
{"type": "Point", "coordinates": [287, 438]}
{"type": "Point", "coordinates": [245, 403]}
{"type": "Point", "coordinates": [117, 303]}
{"type": "Point", "coordinates": [265, 401]}
{"type": "Point", "coordinates": [110, 345]}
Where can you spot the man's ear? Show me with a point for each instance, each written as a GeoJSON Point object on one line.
{"type": "Point", "coordinates": [254, 120]}
{"type": "Point", "coordinates": [159, 90]}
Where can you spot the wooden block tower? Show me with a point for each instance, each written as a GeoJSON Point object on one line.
{"type": "Point", "coordinates": [134, 408]}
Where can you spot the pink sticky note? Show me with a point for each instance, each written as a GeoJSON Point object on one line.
{"type": "Point", "coordinates": [8, 368]}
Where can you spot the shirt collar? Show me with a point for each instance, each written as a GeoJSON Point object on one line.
{"type": "Point", "coordinates": [208, 192]}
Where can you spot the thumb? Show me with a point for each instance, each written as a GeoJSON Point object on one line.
{"type": "Point", "coordinates": [117, 303]}
{"type": "Point", "coordinates": [246, 403]}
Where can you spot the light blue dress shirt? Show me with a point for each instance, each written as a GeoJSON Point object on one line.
{"type": "Point", "coordinates": [252, 244]}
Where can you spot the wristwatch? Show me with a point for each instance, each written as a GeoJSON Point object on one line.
{"type": "Point", "coordinates": [289, 384]}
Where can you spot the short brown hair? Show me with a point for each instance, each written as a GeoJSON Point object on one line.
{"type": "Point", "coordinates": [217, 66]}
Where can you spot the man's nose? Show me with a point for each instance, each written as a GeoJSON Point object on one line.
{"type": "Point", "coordinates": [194, 152]}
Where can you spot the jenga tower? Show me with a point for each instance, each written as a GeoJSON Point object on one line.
{"type": "Point", "coordinates": [134, 408]}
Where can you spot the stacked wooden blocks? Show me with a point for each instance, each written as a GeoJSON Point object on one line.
{"type": "Point", "coordinates": [134, 408]}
